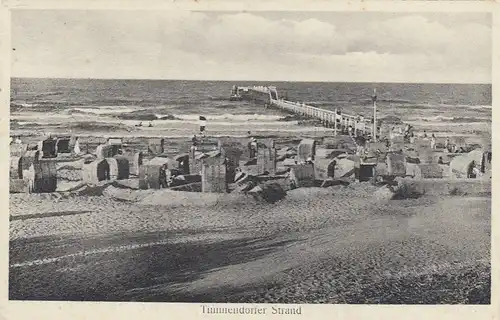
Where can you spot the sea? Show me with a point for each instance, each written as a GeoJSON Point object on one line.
{"type": "Point", "coordinates": [172, 103]}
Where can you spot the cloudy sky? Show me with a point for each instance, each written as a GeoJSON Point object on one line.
{"type": "Point", "coordinates": [294, 46]}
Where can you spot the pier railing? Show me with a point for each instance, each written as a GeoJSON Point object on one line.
{"type": "Point", "coordinates": [336, 119]}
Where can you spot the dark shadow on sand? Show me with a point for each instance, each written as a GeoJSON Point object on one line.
{"type": "Point", "coordinates": [47, 214]}
{"type": "Point", "coordinates": [116, 275]}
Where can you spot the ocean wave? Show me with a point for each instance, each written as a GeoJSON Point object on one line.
{"type": "Point", "coordinates": [461, 119]}
{"type": "Point", "coordinates": [475, 106]}
{"type": "Point", "coordinates": [430, 119]}
{"type": "Point", "coordinates": [220, 98]}
{"type": "Point", "coordinates": [469, 119]}
{"type": "Point", "coordinates": [107, 109]}
{"type": "Point", "coordinates": [46, 94]}
{"type": "Point", "coordinates": [28, 123]}
{"type": "Point", "coordinates": [402, 101]}
{"type": "Point", "coordinates": [229, 116]}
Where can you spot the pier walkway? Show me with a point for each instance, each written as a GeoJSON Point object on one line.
{"type": "Point", "coordinates": [340, 121]}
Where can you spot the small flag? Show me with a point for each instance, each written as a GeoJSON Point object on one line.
{"type": "Point", "coordinates": [374, 97]}
{"type": "Point", "coordinates": [202, 118]}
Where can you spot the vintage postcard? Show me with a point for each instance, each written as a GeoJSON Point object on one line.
{"type": "Point", "coordinates": [249, 159]}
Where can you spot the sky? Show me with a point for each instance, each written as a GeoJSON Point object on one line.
{"type": "Point", "coordinates": [274, 46]}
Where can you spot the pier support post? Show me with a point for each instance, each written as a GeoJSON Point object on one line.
{"type": "Point", "coordinates": [335, 123]}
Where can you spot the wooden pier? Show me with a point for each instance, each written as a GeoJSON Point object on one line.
{"type": "Point", "coordinates": [338, 120]}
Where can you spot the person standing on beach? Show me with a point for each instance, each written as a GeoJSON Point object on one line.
{"type": "Point", "coordinates": [433, 141]}
{"type": "Point", "coordinates": [253, 148]}
{"type": "Point", "coordinates": [412, 138]}
{"type": "Point", "coordinates": [330, 172]}
{"type": "Point", "coordinates": [76, 149]}
{"type": "Point", "coordinates": [249, 146]}
{"type": "Point", "coordinates": [194, 143]}
{"type": "Point", "coordinates": [203, 124]}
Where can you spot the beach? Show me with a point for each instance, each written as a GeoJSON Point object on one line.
{"type": "Point", "coordinates": [341, 244]}
{"type": "Point", "coordinates": [316, 246]}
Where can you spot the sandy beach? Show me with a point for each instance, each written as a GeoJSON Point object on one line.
{"type": "Point", "coordinates": [342, 244]}
{"type": "Point", "coordinates": [317, 245]}
{"type": "Point", "coordinates": [347, 243]}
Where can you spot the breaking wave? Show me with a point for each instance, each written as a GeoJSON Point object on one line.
{"type": "Point", "coordinates": [229, 116]}
{"type": "Point", "coordinates": [107, 109]}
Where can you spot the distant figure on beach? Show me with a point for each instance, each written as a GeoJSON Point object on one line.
{"type": "Point", "coordinates": [433, 141]}
{"type": "Point", "coordinates": [18, 140]}
{"type": "Point", "coordinates": [249, 146]}
{"type": "Point", "coordinates": [76, 149]}
{"type": "Point", "coordinates": [193, 147]}
{"type": "Point", "coordinates": [447, 143]}
{"type": "Point", "coordinates": [203, 124]}
{"type": "Point", "coordinates": [359, 149]}
{"type": "Point", "coordinates": [330, 172]}
{"type": "Point", "coordinates": [150, 124]}
{"type": "Point", "coordinates": [473, 170]}
{"type": "Point", "coordinates": [253, 148]}
{"type": "Point", "coordinates": [194, 140]}
{"type": "Point", "coordinates": [425, 134]}
{"type": "Point", "coordinates": [331, 169]}
{"type": "Point", "coordinates": [412, 138]}
{"type": "Point", "coordinates": [440, 160]}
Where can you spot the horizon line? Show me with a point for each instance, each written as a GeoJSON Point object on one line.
{"type": "Point", "coordinates": [254, 80]}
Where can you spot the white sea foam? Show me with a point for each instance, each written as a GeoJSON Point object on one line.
{"type": "Point", "coordinates": [448, 124]}
{"type": "Point", "coordinates": [108, 109]}
{"type": "Point", "coordinates": [223, 122]}
{"type": "Point", "coordinates": [434, 118]}
{"type": "Point", "coordinates": [229, 116]}
{"type": "Point", "coordinates": [475, 107]}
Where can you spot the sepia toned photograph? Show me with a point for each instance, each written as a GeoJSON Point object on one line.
{"type": "Point", "coordinates": [274, 157]}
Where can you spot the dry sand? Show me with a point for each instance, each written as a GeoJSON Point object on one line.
{"type": "Point", "coordinates": [316, 245]}
{"type": "Point", "coordinates": [335, 245]}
